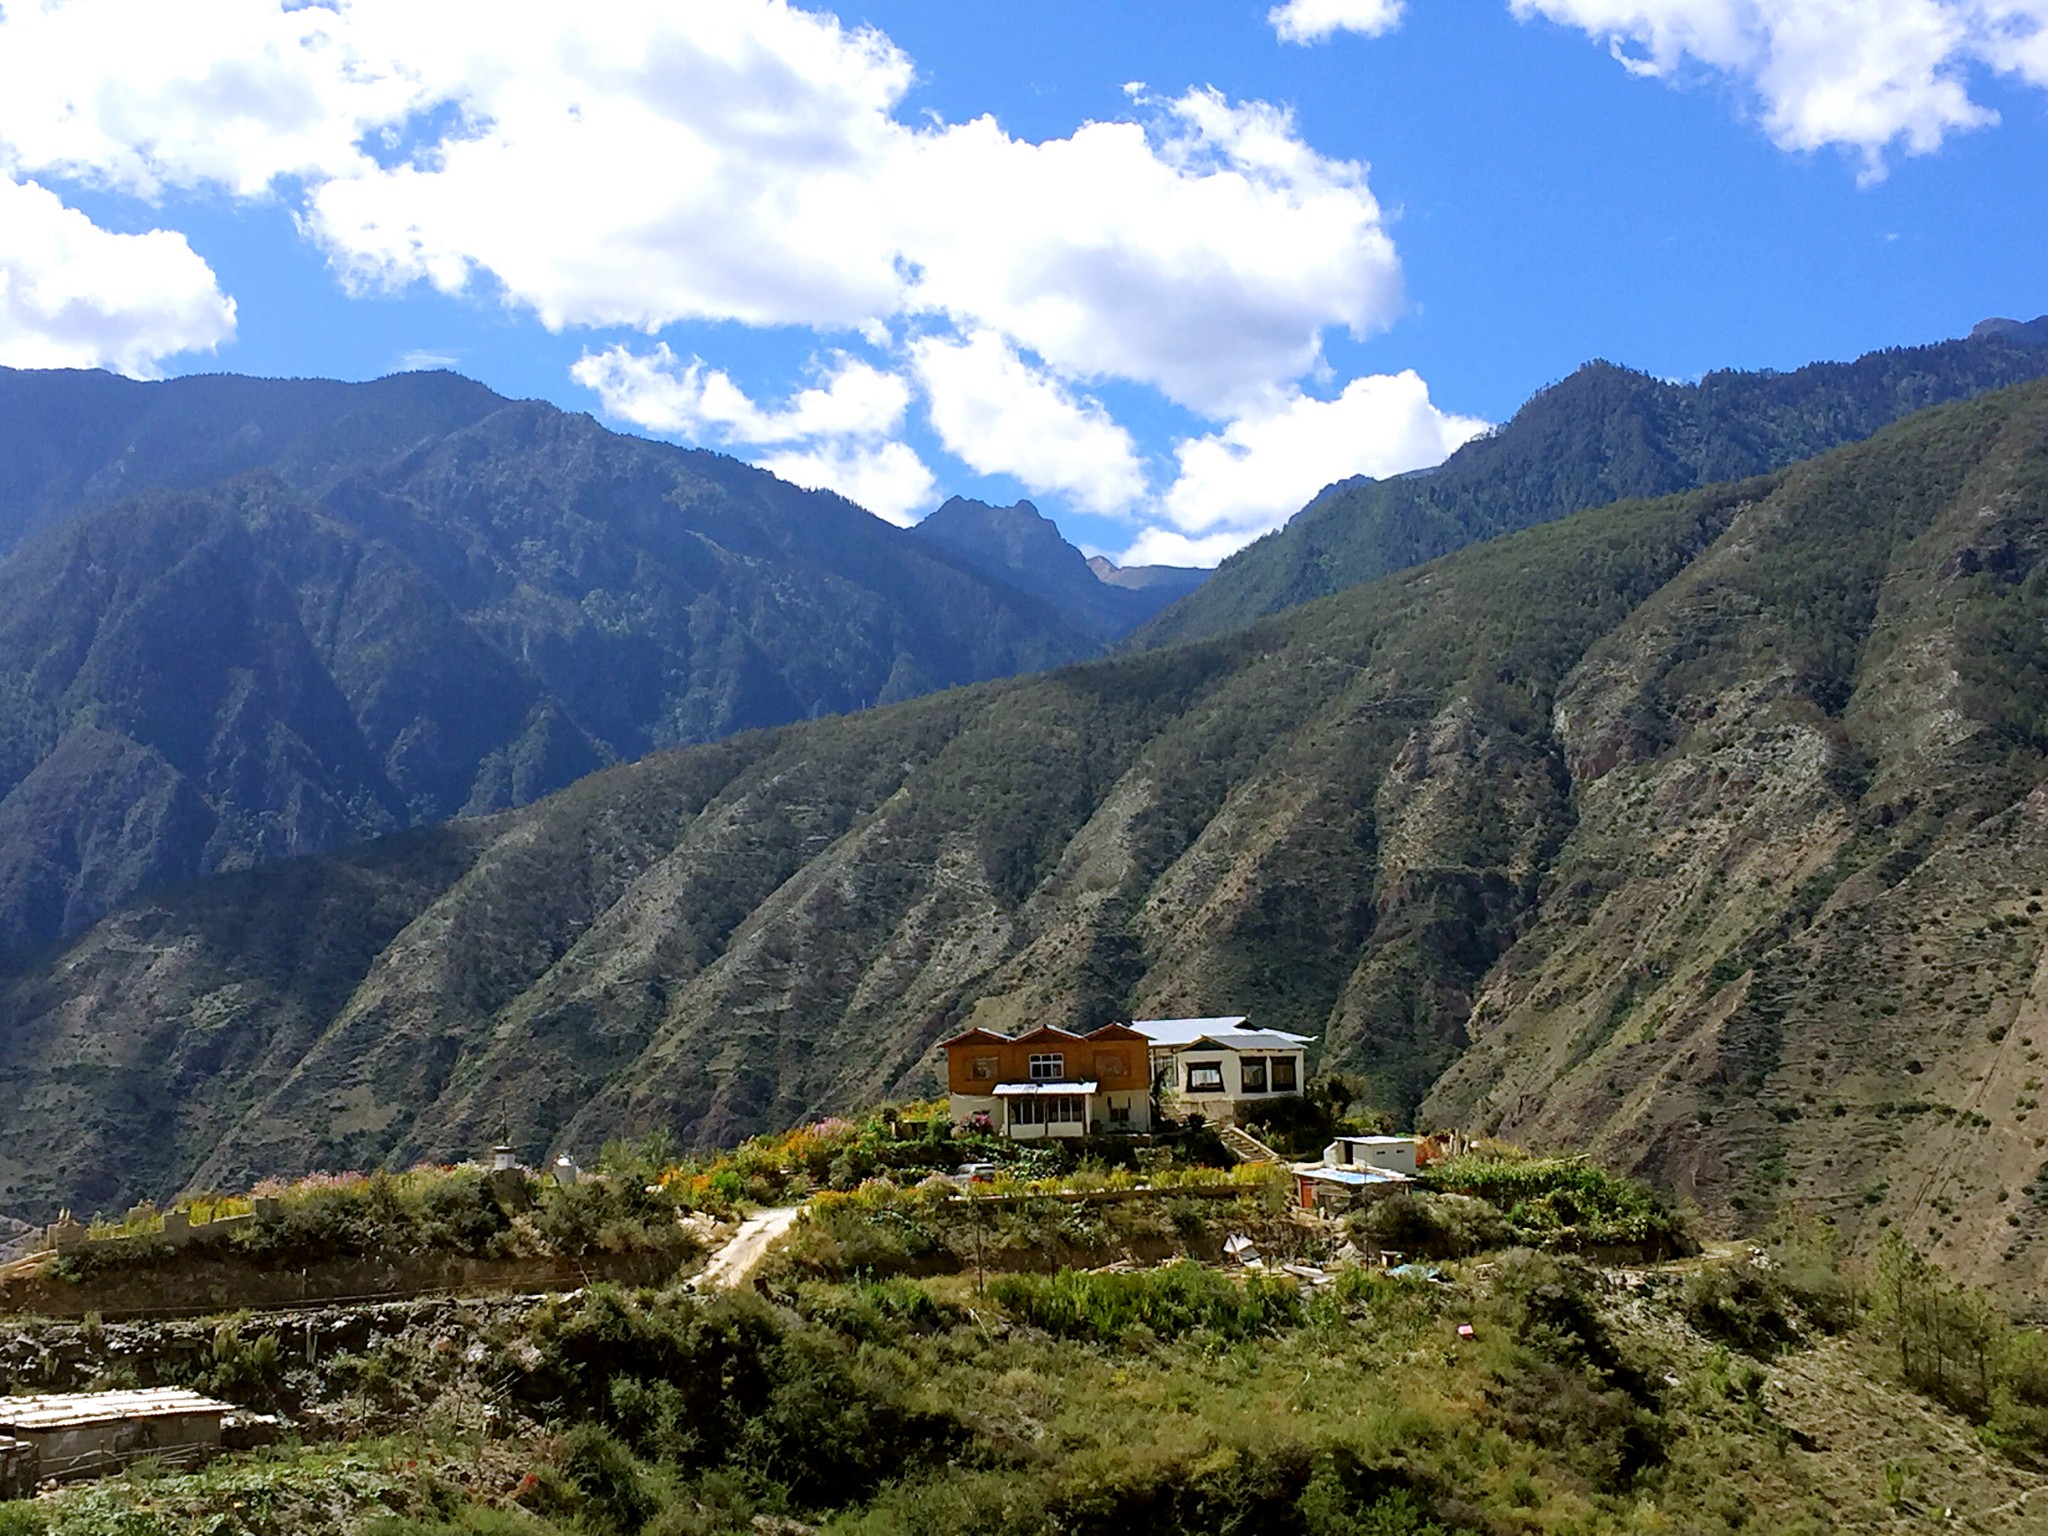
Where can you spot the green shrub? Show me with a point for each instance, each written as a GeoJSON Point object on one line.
{"type": "Point", "coordinates": [1567, 1204]}
{"type": "Point", "coordinates": [1431, 1226]}
{"type": "Point", "coordinates": [735, 1384]}
{"type": "Point", "coordinates": [614, 1488]}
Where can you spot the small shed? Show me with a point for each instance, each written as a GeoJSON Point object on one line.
{"type": "Point", "coordinates": [85, 1434]}
{"type": "Point", "coordinates": [1325, 1189]}
{"type": "Point", "coordinates": [1402, 1154]}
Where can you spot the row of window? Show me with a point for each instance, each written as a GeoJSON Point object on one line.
{"type": "Point", "coordinates": [1049, 1067]}
{"type": "Point", "coordinates": [1051, 1109]}
{"type": "Point", "coordinates": [1258, 1074]}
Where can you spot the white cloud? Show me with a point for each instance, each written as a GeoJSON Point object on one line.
{"type": "Point", "coordinates": [1314, 21]}
{"type": "Point", "coordinates": [843, 423]}
{"type": "Point", "coordinates": [640, 163]}
{"type": "Point", "coordinates": [1260, 469]}
{"type": "Point", "coordinates": [1203, 255]}
{"type": "Point", "coordinates": [73, 295]}
{"type": "Point", "coordinates": [1166, 546]}
{"type": "Point", "coordinates": [889, 479]}
{"type": "Point", "coordinates": [1865, 75]}
{"type": "Point", "coordinates": [660, 392]}
{"type": "Point", "coordinates": [1002, 416]}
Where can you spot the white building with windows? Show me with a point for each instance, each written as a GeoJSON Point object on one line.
{"type": "Point", "coordinates": [1217, 1068]}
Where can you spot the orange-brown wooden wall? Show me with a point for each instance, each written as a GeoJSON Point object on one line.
{"type": "Point", "coordinates": [1120, 1066]}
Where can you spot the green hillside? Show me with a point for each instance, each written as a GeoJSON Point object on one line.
{"type": "Point", "coordinates": [1702, 830]}
{"type": "Point", "coordinates": [1603, 434]}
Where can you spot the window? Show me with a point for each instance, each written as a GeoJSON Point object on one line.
{"type": "Point", "coordinates": [1253, 1069]}
{"type": "Point", "coordinates": [984, 1069]}
{"type": "Point", "coordinates": [1120, 1111]}
{"type": "Point", "coordinates": [1052, 1109]}
{"type": "Point", "coordinates": [1109, 1064]}
{"type": "Point", "coordinates": [1205, 1077]}
{"type": "Point", "coordinates": [1048, 1068]}
{"type": "Point", "coordinates": [1285, 1078]}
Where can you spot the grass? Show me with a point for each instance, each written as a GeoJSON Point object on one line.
{"type": "Point", "coordinates": [1175, 1399]}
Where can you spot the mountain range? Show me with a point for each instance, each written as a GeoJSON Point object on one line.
{"type": "Point", "coordinates": [253, 618]}
{"type": "Point", "coordinates": [1709, 832]}
{"type": "Point", "coordinates": [1600, 435]}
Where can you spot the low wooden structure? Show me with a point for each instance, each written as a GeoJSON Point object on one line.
{"type": "Point", "coordinates": [86, 1434]}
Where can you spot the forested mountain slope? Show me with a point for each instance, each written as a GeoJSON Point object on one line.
{"type": "Point", "coordinates": [416, 600]}
{"type": "Point", "coordinates": [1711, 831]}
{"type": "Point", "coordinates": [1601, 435]}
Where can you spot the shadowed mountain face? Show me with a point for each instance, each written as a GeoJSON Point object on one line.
{"type": "Point", "coordinates": [1020, 545]}
{"type": "Point", "coordinates": [1603, 434]}
{"type": "Point", "coordinates": [412, 600]}
{"type": "Point", "coordinates": [1710, 832]}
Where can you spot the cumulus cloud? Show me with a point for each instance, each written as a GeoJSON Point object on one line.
{"type": "Point", "coordinates": [1863, 76]}
{"type": "Point", "coordinates": [639, 163]}
{"type": "Point", "coordinates": [889, 479]}
{"type": "Point", "coordinates": [1203, 253]}
{"type": "Point", "coordinates": [841, 426]}
{"type": "Point", "coordinates": [1315, 21]}
{"type": "Point", "coordinates": [659, 391]}
{"type": "Point", "coordinates": [74, 295]}
{"type": "Point", "coordinates": [1002, 416]}
{"type": "Point", "coordinates": [1259, 470]}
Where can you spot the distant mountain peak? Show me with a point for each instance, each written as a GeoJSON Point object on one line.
{"type": "Point", "coordinates": [1021, 545]}
{"type": "Point", "coordinates": [2030, 333]}
{"type": "Point", "coordinates": [1168, 583]}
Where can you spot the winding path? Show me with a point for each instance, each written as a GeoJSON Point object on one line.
{"type": "Point", "coordinates": [734, 1263]}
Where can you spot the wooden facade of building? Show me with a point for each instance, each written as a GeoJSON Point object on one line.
{"type": "Point", "coordinates": [1051, 1082]}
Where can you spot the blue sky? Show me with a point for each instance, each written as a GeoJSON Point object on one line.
{"type": "Point", "coordinates": [1160, 267]}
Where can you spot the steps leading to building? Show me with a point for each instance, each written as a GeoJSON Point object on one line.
{"type": "Point", "coordinates": [1245, 1147]}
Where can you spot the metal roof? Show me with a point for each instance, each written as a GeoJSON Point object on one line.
{"type": "Point", "coordinates": [65, 1410]}
{"type": "Point", "coordinates": [1179, 1032]}
{"type": "Point", "coordinates": [1249, 1040]}
{"type": "Point", "coordinates": [1357, 1178]}
{"type": "Point", "coordinates": [1032, 1090]}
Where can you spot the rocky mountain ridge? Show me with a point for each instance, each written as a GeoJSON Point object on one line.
{"type": "Point", "coordinates": [1602, 434]}
{"type": "Point", "coordinates": [1022, 546]}
{"type": "Point", "coordinates": [409, 600]}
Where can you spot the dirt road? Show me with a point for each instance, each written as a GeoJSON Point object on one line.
{"type": "Point", "coordinates": [736, 1262]}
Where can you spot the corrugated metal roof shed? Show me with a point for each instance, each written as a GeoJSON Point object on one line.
{"type": "Point", "coordinates": [67, 1410]}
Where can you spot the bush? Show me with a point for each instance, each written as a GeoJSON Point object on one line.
{"type": "Point", "coordinates": [732, 1383]}
{"type": "Point", "coordinates": [1567, 1204]}
{"type": "Point", "coordinates": [1742, 1305]}
{"type": "Point", "coordinates": [1431, 1226]}
{"type": "Point", "coordinates": [615, 1492]}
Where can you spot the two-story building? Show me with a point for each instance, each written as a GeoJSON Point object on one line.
{"type": "Point", "coordinates": [1051, 1082]}
{"type": "Point", "coordinates": [1218, 1068]}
